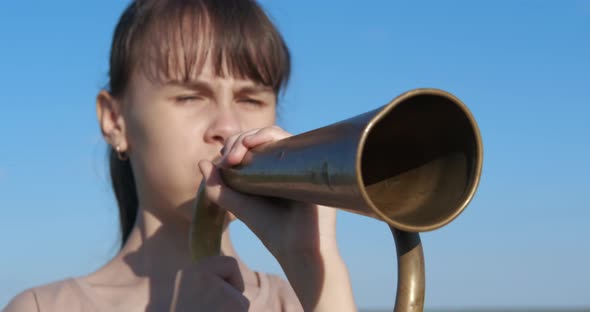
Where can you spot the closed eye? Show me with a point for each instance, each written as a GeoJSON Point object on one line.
{"type": "Point", "coordinates": [188, 98]}
{"type": "Point", "coordinates": [252, 101]}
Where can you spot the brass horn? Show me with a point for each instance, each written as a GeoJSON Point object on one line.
{"type": "Point", "coordinates": [414, 163]}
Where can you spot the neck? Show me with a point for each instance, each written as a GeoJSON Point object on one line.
{"type": "Point", "coordinates": [145, 272]}
{"type": "Point", "coordinates": [158, 247]}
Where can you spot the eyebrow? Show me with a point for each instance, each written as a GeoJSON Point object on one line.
{"type": "Point", "coordinates": [198, 85]}
{"type": "Point", "coordinates": [256, 89]}
{"type": "Point", "coordinates": [207, 88]}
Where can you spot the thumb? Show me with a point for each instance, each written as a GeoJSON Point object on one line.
{"type": "Point", "coordinates": [255, 211]}
{"type": "Point", "coordinates": [226, 268]}
{"type": "Point", "coordinates": [213, 182]}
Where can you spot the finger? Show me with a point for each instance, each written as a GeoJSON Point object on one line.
{"type": "Point", "coordinates": [196, 285]}
{"type": "Point", "coordinates": [229, 142]}
{"type": "Point", "coordinates": [238, 150]}
{"type": "Point", "coordinates": [268, 134]}
{"type": "Point", "coordinates": [232, 299]}
{"type": "Point", "coordinates": [223, 267]}
{"type": "Point", "coordinates": [236, 301]}
{"type": "Point", "coordinates": [227, 145]}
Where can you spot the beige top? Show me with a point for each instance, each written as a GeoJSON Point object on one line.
{"type": "Point", "coordinates": [73, 294]}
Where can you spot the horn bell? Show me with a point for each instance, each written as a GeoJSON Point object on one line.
{"type": "Point", "coordinates": [414, 163]}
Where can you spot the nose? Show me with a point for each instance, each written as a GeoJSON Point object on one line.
{"type": "Point", "coordinates": [223, 124]}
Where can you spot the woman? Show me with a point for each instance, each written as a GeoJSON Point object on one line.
{"type": "Point", "coordinates": [188, 79]}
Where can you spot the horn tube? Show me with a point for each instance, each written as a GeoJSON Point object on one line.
{"type": "Point", "coordinates": [414, 163]}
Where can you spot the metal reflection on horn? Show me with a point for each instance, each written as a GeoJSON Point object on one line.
{"type": "Point", "coordinates": [414, 163]}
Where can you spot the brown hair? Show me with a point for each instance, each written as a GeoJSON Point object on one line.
{"type": "Point", "coordinates": [170, 40]}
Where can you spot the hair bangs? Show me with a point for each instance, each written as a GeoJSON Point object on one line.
{"type": "Point", "coordinates": [239, 40]}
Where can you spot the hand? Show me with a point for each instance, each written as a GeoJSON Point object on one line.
{"type": "Point", "coordinates": [285, 227]}
{"type": "Point", "coordinates": [301, 236]}
{"type": "Point", "coordinates": [213, 284]}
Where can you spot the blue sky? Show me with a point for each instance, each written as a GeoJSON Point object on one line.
{"type": "Point", "coordinates": [522, 67]}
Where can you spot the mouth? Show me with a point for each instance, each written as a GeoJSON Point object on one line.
{"type": "Point", "coordinates": [217, 160]}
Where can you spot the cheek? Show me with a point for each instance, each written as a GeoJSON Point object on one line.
{"type": "Point", "coordinates": [155, 135]}
{"type": "Point", "coordinates": [258, 119]}
{"type": "Point", "coordinates": [166, 152]}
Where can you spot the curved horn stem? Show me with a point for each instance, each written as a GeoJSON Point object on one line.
{"type": "Point", "coordinates": [205, 240]}
{"type": "Point", "coordinates": [206, 228]}
{"type": "Point", "coordinates": [410, 270]}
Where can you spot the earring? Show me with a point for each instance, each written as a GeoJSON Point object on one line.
{"type": "Point", "coordinates": [120, 154]}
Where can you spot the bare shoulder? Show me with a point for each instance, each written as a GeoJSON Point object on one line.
{"type": "Point", "coordinates": [24, 302]}
{"type": "Point", "coordinates": [49, 297]}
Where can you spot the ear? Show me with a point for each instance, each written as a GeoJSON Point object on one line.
{"type": "Point", "coordinates": [111, 121]}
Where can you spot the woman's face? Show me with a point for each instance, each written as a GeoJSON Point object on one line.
{"type": "Point", "coordinates": [170, 127]}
